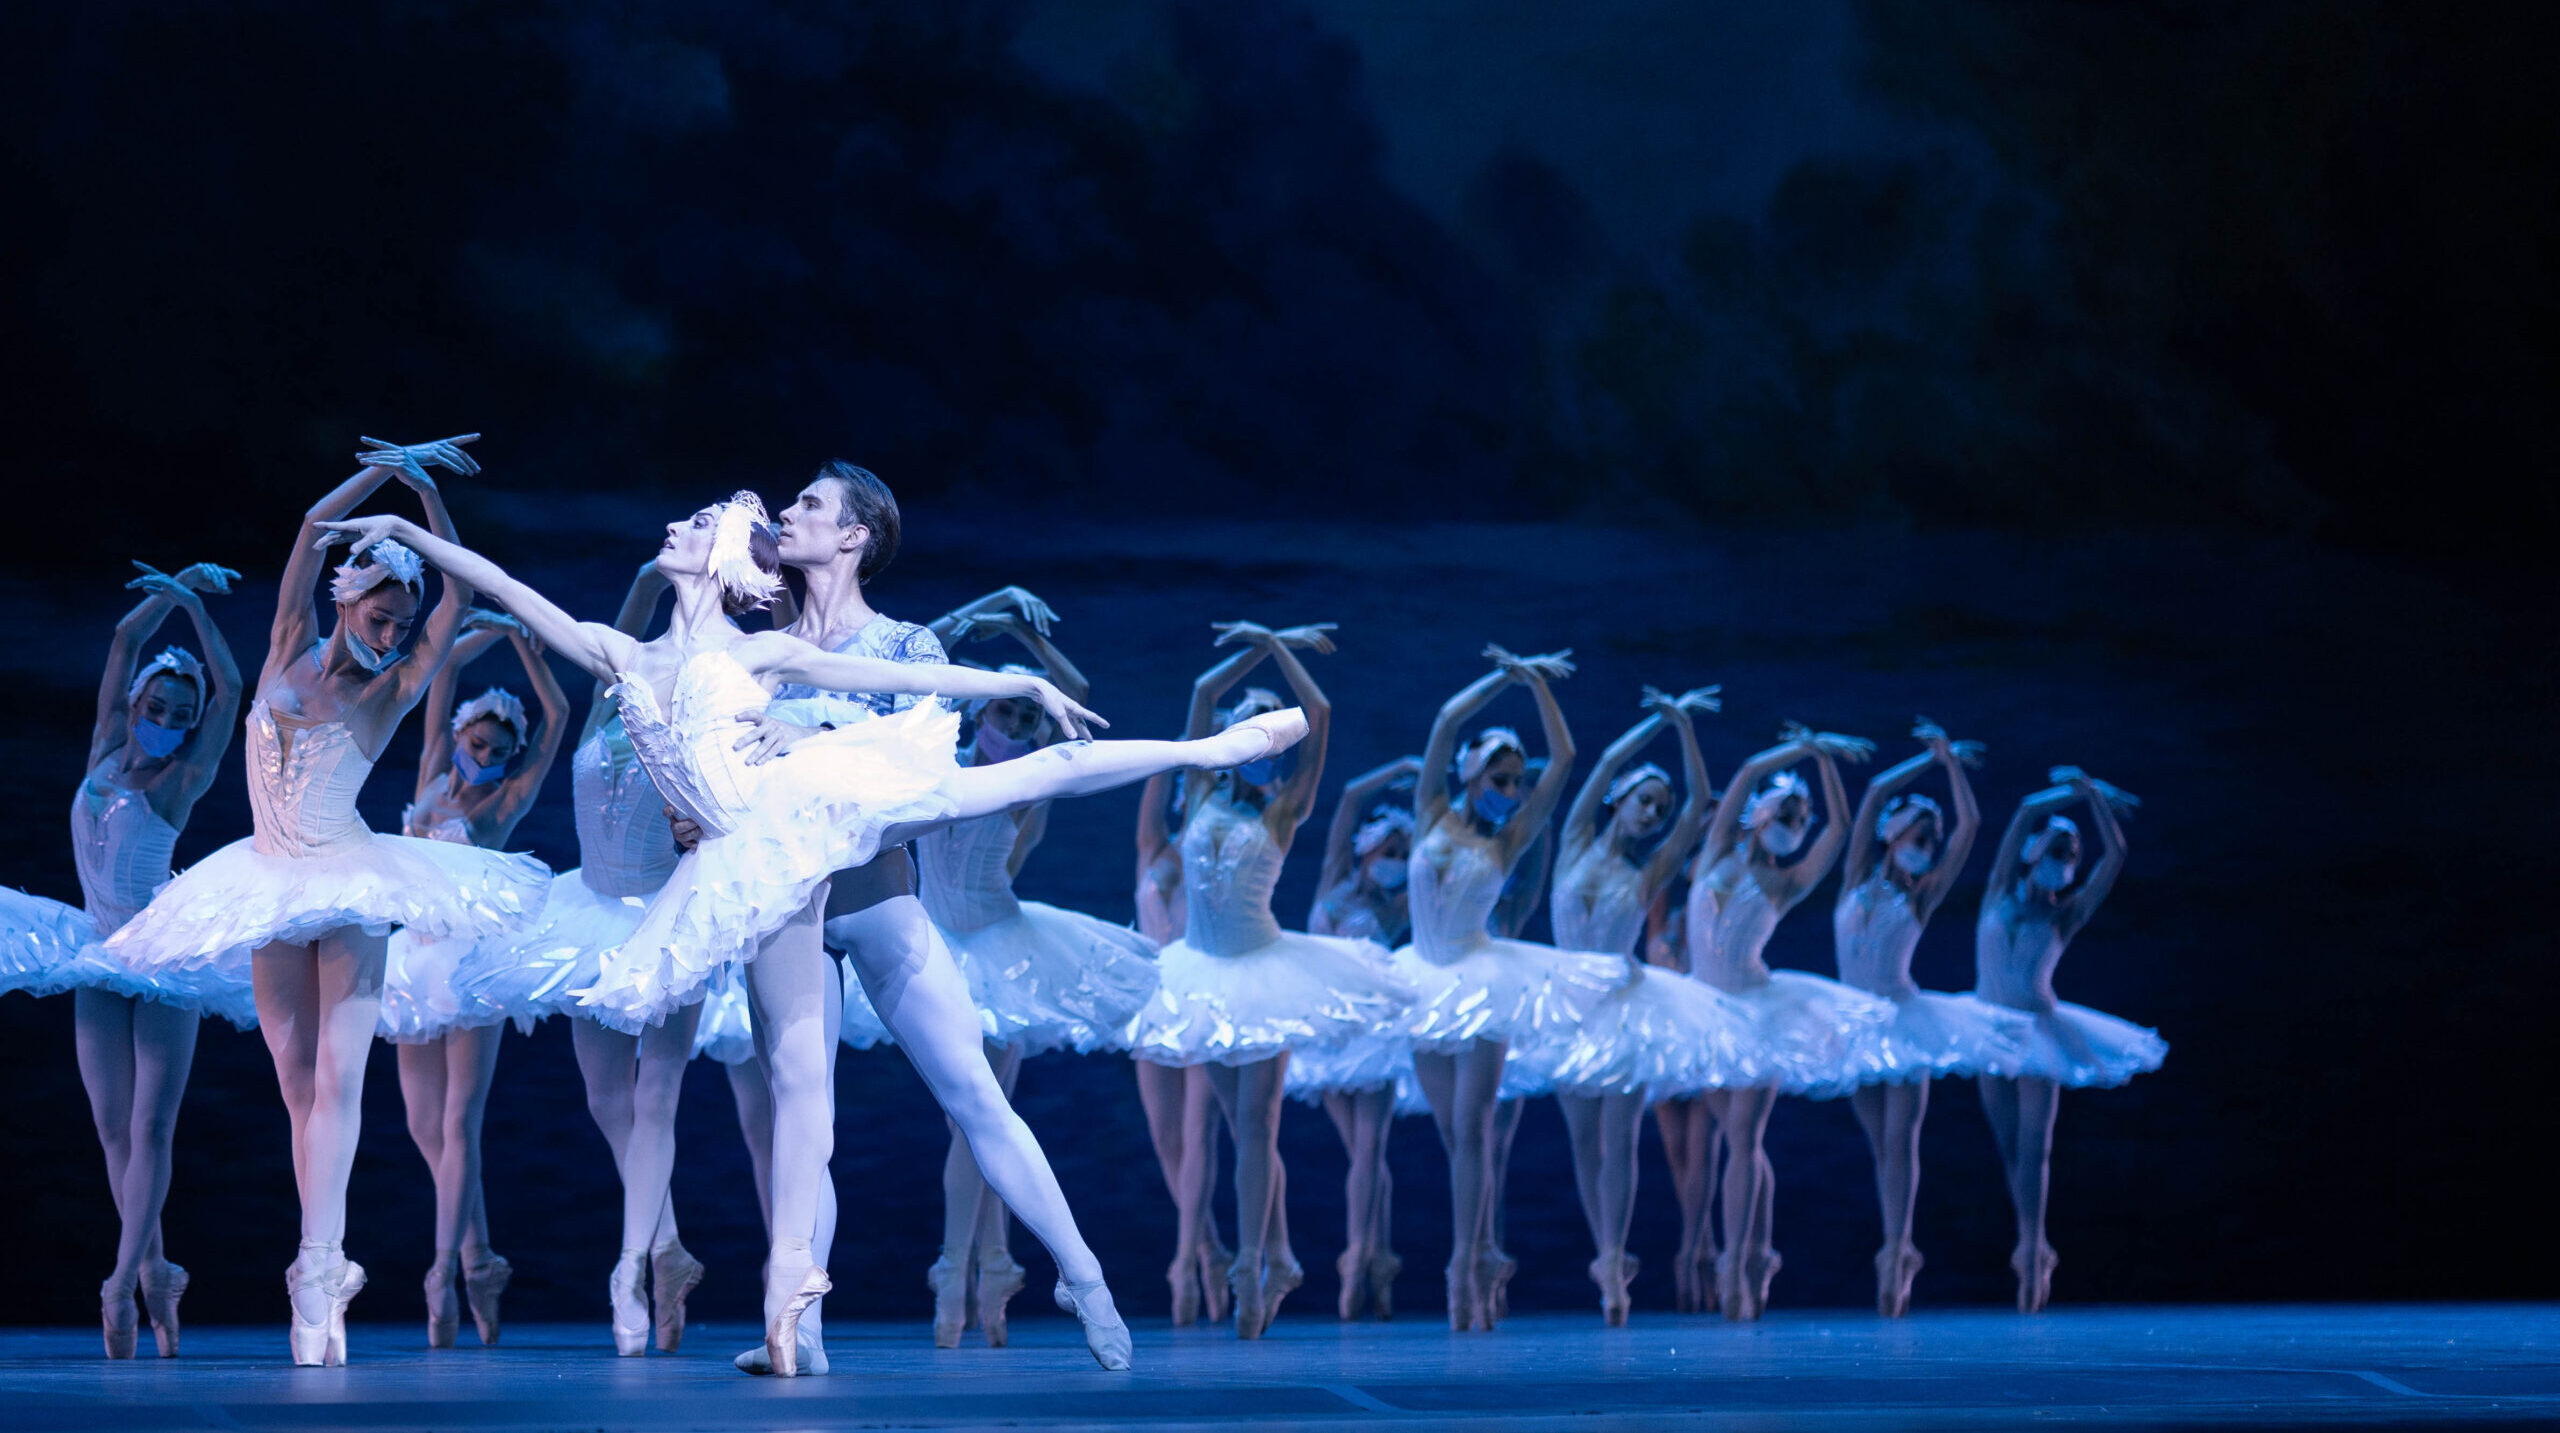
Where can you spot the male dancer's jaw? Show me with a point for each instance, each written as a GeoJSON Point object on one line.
{"type": "Point", "coordinates": [814, 538]}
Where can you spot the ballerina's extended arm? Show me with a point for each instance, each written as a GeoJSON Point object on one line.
{"type": "Point", "coordinates": [1297, 798]}
{"type": "Point", "coordinates": [1664, 865]}
{"type": "Point", "coordinates": [516, 795]}
{"type": "Point", "coordinates": [1882, 787]}
{"type": "Point", "coordinates": [2104, 804]}
{"type": "Point", "coordinates": [1531, 820]}
{"type": "Point", "coordinates": [1210, 685]}
{"type": "Point", "coordinates": [1350, 813]}
{"type": "Point", "coordinates": [1431, 793]}
{"type": "Point", "coordinates": [638, 606]}
{"type": "Point", "coordinates": [200, 760]}
{"type": "Point", "coordinates": [1724, 829]}
{"type": "Point", "coordinates": [1955, 756]}
{"type": "Point", "coordinates": [1829, 750]}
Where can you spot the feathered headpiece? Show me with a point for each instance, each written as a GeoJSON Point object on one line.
{"type": "Point", "coordinates": [1627, 782]}
{"type": "Point", "coordinates": [2043, 842]}
{"type": "Point", "coordinates": [177, 662]}
{"type": "Point", "coordinates": [1903, 813]}
{"type": "Point", "coordinates": [1479, 753]}
{"type": "Point", "coordinates": [1386, 822]}
{"type": "Point", "coordinates": [496, 702]}
{"type": "Point", "coordinates": [1766, 801]}
{"type": "Point", "coordinates": [733, 559]}
{"type": "Point", "coordinates": [390, 562]}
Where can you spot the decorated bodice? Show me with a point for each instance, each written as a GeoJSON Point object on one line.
{"type": "Point", "coordinates": [122, 848]}
{"type": "Point", "coordinates": [690, 749]}
{"type": "Point", "coordinates": [963, 875]}
{"type": "Point", "coordinates": [303, 780]}
{"type": "Point", "coordinates": [1599, 904]}
{"type": "Point", "coordinates": [887, 639]}
{"type": "Point", "coordinates": [1229, 866]}
{"type": "Point", "coordinates": [624, 848]}
{"type": "Point", "coordinates": [2016, 945]}
{"type": "Point", "coordinates": [1454, 885]}
{"type": "Point", "coordinates": [1874, 931]}
{"type": "Point", "coordinates": [1730, 921]}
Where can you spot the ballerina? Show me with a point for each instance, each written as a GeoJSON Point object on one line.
{"type": "Point", "coordinates": [1661, 1033]}
{"type": "Point", "coordinates": [478, 775]}
{"type": "Point", "coordinates": [2029, 917]}
{"type": "Point", "coordinates": [774, 830]}
{"type": "Point", "coordinates": [313, 892]}
{"type": "Point", "coordinates": [1364, 1083]}
{"type": "Point", "coordinates": [1807, 1034]}
{"type": "Point", "coordinates": [162, 729]}
{"type": "Point", "coordinates": [1902, 862]}
{"type": "Point", "coordinates": [1686, 1125]}
{"type": "Point", "coordinates": [633, 1075]}
{"type": "Point", "coordinates": [1481, 993]}
{"type": "Point", "coordinates": [1182, 1111]}
{"type": "Point", "coordinates": [1043, 978]}
{"type": "Point", "coordinates": [1239, 994]}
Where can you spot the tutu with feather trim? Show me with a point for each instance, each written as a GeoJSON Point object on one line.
{"type": "Point", "coordinates": [1515, 991]}
{"type": "Point", "coordinates": [1661, 1031]}
{"type": "Point", "coordinates": [2080, 1048]}
{"type": "Point", "coordinates": [1296, 992]}
{"type": "Point", "coordinates": [1055, 979]}
{"type": "Point", "coordinates": [47, 947]}
{"type": "Point", "coordinates": [532, 976]}
{"type": "Point", "coordinates": [242, 898]}
{"type": "Point", "coordinates": [726, 1030]}
{"type": "Point", "coordinates": [1936, 1034]}
{"type": "Point", "coordinates": [1810, 1035]}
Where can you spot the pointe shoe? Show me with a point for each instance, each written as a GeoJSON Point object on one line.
{"type": "Point", "coordinates": [1350, 1268]}
{"type": "Point", "coordinates": [320, 1284]}
{"type": "Point", "coordinates": [1280, 730]}
{"type": "Point", "coordinates": [630, 1310]}
{"type": "Point", "coordinates": [999, 1279]}
{"type": "Point", "coordinates": [163, 1284]}
{"type": "Point", "coordinates": [673, 1276]}
{"type": "Point", "coordinates": [116, 1313]}
{"type": "Point", "coordinates": [1182, 1276]}
{"type": "Point", "coordinates": [1705, 1280]}
{"type": "Point", "coordinates": [2035, 1284]}
{"type": "Point", "coordinates": [1684, 1281]}
{"type": "Point", "coordinates": [1613, 1271]}
{"type": "Point", "coordinates": [1493, 1282]}
{"type": "Point", "coordinates": [1105, 1335]}
{"type": "Point", "coordinates": [1895, 1269]}
{"type": "Point", "coordinates": [949, 1280]}
{"type": "Point", "coordinates": [1217, 1261]}
{"type": "Point", "coordinates": [1742, 1286]}
{"type": "Point", "coordinates": [782, 1342]}
{"type": "Point", "coordinates": [1244, 1284]}
{"type": "Point", "coordinates": [444, 1302]}
{"type": "Point", "coordinates": [1279, 1280]}
{"type": "Point", "coordinates": [1465, 1305]}
{"type": "Point", "coordinates": [1383, 1268]}
{"type": "Point", "coordinates": [1765, 1270]}
{"type": "Point", "coordinates": [813, 1356]}
{"type": "Point", "coordinates": [488, 1279]}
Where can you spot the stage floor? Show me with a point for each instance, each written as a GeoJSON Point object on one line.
{"type": "Point", "coordinates": [1973, 1369]}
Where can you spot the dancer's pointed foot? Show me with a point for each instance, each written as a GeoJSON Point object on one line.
{"type": "Point", "coordinates": [2035, 1276]}
{"type": "Point", "coordinates": [163, 1284]}
{"type": "Point", "coordinates": [488, 1274]}
{"type": "Point", "coordinates": [1105, 1335]}
{"type": "Point", "coordinates": [1895, 1269]}
{"type": "Point", "coordinates": [1351, 1268]}
{"type": "Point", "coordinates": [807, 1283]}
{"type": "Point", "coordinates": [320, 1283]}
{"type": "Point", "coordinates": [1217, 1261]}
{"type": "Point", "coordinates": [813, 1354]}
{"type": "Point", "coordinates": [1493, 1281]}
{"type": "Point", "coordinates": [1613, 1271]}
{"type": "Point", "coordinates": [1684, 1280]}
{"type": "Point", "coordinates": [1706, 1280]}
{"type": "Point", "coordinates": [630, 1310]}
{"type": "Point", "coordinates": [673, 1276]}
{"type": "Point", "coordinates": [999, 1279]}
{"type": "Point", "coordinates": [1281, 1277]}
{"type": "Point", "coordinates": [1183, 1277]}
{"type": "Point", "coordinates": [1742, 1285]}
{"type": "Point", "coordinates": [1255, 737]}
{"type": "Point", "coordinates": [1466, 1302]}
{"type": "Point", "coordinates": [1244, 1281]}
{"type": "Point", "coordinates": [444, 1299]}
{"type": "Point", "coordinates": [1383, 1268]}
{"type": "Point", "coordinates": [116, 1313]}
{"type": "Point", "coordinates": [949, 1280]}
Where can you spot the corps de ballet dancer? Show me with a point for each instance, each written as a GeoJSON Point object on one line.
{"type": "Point", "coordinates": [2035, 904]}
{"type": "Point", "coordinates": [772, 831]}
{"type": "Point", "coordinates": [1661, 1034]}
{"type": "Point", "coordinates": [632, 1075]}
{"type": "Point", "coordinates": [1043, 978]}
{"type": "Point", "coordinates": [1238, 994]}
{"type": "Point", "coordinates": [1685, 1122]}
{"type": "Point", "coordinates": [1806, 1034]}
{"type": "Point", "coordinates": [162, 729]}
{"type": "Point", "coordinates": [1903, 859]}
{"type": "Point", "coordinates": [1481, 993]}
{"type": "Point", "coordinates": [313, 892]}
{"type": "Point", "coordinates": [481, 768]}
{"type": "Point", "coordinates": [1365, 1082]}
{"type": "Point", "coordinates": [1181, 1109]}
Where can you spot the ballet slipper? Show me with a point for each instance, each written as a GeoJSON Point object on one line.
{"type": "Point", "coordinates": [1765, 1271]}
{"type": "Point", "coordinates": [1182, 1277]}
{"type": "Point", "coordinates": [1105, 1335]}
{"type": "Point", "coordinates": [813, 1355]}
{"type": "Point", "coordinates": [673, 1276]}
{"type": "Point", "coordinates": [1461, 1280]}
{"type": "Point", "coordinates": [1244, 1281]}
{"type": "Point", "coordinates": [1613, 1271]}
{"type": "Point", "coordinates": [1280, 731]}
{"type": "Point", "coordinates": [320, 1284]}
{"type": "Point", "coordinates": [1704, 1279]}
{"type": "Point", "coordinates": [1895, 1269]}
{"type": "Point", "coordinates": [1279, 1279]}
{"type": "Point", "coordinates": [1684, 1280]}
{"type": "Point", "coordinates": [116, 1313]}
{"type": "Point", "coordinates": [999, 1279]}
{"type": "Point", "coordinates": [1348, 1268]}
{"type": "Point", "coordinates": [1383, 1268]}
{"type": "Point", "coordinates": [163, 1284]}
{"type": "Point", "coordinates": [488, 1276]}
{"type": "Point", "coordinates": [1742, 1285]}
{"type": "Point", "coordinates": [1216, 1262]}
{"type": "Point", "coordinates": [1493, 1279]}
{"type": "Point", "coordinates": [782, 1342]}
{"type": "Point", "coordinates": [444, 1305]}
{"type": "Point", "coordinates": [949, 1280]}
{"type": "Point", "coordinates": [2035, 1284]}
{"type": "Point", "coordinates": [630, 1310]}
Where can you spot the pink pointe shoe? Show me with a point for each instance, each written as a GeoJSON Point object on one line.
{"type": "Point", "coordinates": [163, 1284]}
{"type": "Point", "coordinates": [320, 1284]}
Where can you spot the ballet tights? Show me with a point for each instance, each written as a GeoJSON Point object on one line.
{"type": "Point", "coordinates": [1250, 1097]}
{"type": "Point", "coordinates": [1689, 1146]}
{"type": "Point", "coordinates": [444, 1085]}
{"type": "Point", "coordinates": [1364, 1119]}
{"type": "Point", "coordinates": [1891, 1116]}
{"type": "Point", "coordinates": [134, 1056]}
{"type": "Point", "coordinates": [970, 1220]}
{"type": "Point", "coordinates": [632, 1086]}
{"type": "Point", "coordinates": [2021, 1112]}
{"type": "Point", "coordinates": [1604, 1129]}
{"type": "Point", "coordinates": [1463, 1089]}
{"type": "Point", "coordinates": [797, 1008]}
{"type": "Point", "coordinates": [318, 1005]}
{"type": "Point", "coordinates": [1750, 1196]}
{"type": "Point", "coordinates": [1182, 1122]}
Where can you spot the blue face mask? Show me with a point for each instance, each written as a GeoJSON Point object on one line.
{"type": "Point", "coordinates": [366, 657]}
{"type": "Point", "coordinates": [1495, 807]}
{"type": "Point", "coordinates": [473, 773]}
{"type": "Point", "coordinates": [156, 740]}
{"type": "Point", "coordinates": [1261, 771]}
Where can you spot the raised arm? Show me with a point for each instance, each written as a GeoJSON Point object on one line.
{"type": "Point", "coordinates": [1954, 756]}
{"type": "Point", "coordinates": [1539, 806]}
{"type": "Point", "coordinates": [223, 688]}
{"type": "Point", "coordinates": [298, 621]}
{"type": "Point", "coordinates": [1431, 793]}
{"type": "Point", "coordinates": [1582, 818]}
{"type": "Point", "coordinates": [639, 605]}
{"type": "Point", "coordinates": [1218, 680]}
{"type": "Point", "coordinates": [595, 648]}
{"type": "Point", "coordinates": [953, 625]}
{"type": "Point", "coordinates": [1664, 865]}
{"type": "Point", "coordinates": [1881, 788]}
{"type": "Point", "coordinates": [1724, 829]}
{"type": "Point", "coordinates": [2108, 831]}
{"type": "Point", "coordinates": [2013, 842]}
{"type": "Point", "coordinates": [525, 782]}
{"type": "Point", "coordinates": [1298, 798]}
{"type": "Point", "coordinates": [1351, 812]}
{"type": "Point", "coordinates": [159, 598]}
{"type": "Point", "coordinates": [1044, 653]}
{"type": "Point", "coordinates": [435, 752]}
{"type": "Point", "coordinates": [1804, 875]}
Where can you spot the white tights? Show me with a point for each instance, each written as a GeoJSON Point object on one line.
{"type": "Point", "coordinates": [1604, 1130]}
{"type": "Point", "coordinates": [444, 1085]}
{"type": "Point", "coordinates": [318, 1005]}
{"type": "Point", "coordinates": [1749, 1196]}
{"type": "Point", "coordinates": [1182, 1123]}
{"type": "Point", "coordinates": [1463, 1089]}
{"type": "Point", "coordinates": [632, 1086]}
{"type": "Point", "coordinates": [134, 1057]}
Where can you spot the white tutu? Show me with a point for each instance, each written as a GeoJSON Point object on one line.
{"type": "Point", "coordinates": [47, 947]}
{"type": "Point", "coordinates": [1295, 992]}
{"type": "Point", "coordinates": [1810, 1035]}
{"type": "Point", "coordinates": [774, 831]}
{"type": "Point", "coordinates": [241, 898]}
{"type": "Point", "coordinates": [2075, 1046]}
{"type": "Point", "coordinates": [1662, 1031]}
{"type": "Point", "coordinates": [531, 977]}
{"type": "Point", "coordinates": [421, 996]}
{"type": "Point", "coordinates": [726, 1031]}
{"type": "Point", "coordinates": [1053, 979]}
{"type": "Point", "coordinates": [1368, 1062]}
{"type": "Point", "coordinates": [1514, 991]}
{"type": "Point", "coordinates": [1938, 1034]}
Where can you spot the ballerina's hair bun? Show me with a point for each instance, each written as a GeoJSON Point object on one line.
{"type": "Point", "coordinates": [744, 558]}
